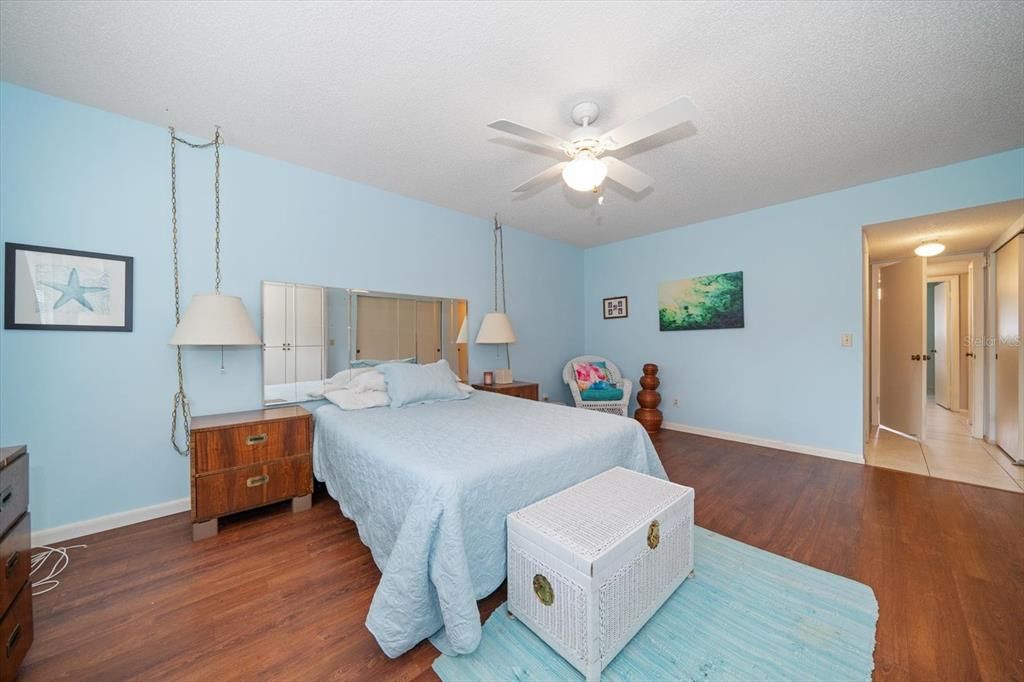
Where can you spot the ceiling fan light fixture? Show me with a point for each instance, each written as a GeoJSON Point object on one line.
{"type": "Point", "coordinates": [930, 248]}
{"type": "Point", "coordinates": [585, 173]}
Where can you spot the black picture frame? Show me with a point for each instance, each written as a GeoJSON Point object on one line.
{"type": "Point", "coordinates": [618, 306]}
{"type": "Point", "coordinates": [11, 250]}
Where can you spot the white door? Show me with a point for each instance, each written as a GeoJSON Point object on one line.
{"type": "Point", "coordinates": [277, 377]}
{"type": "Point", "coordinates": [903, 379]}
{"type": "Point", "coordinates": [940, 353]}
{"type": "Point", "coordinates": [1008, 275]}
{"type": "Point", "coordinates": [309, 364]}
{"type": "Point", "coordinates": [309, 315]}
{"type": "Point", "coordinates": [275, 314]}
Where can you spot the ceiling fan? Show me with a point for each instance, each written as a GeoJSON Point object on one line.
{"type": "Point", "coordinates": [587, 168]}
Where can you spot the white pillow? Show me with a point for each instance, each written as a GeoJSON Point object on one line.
{"type": "Point", "coordinates": [342, 378]}
{"type": "Point", "coordinates": [466, 388]}
{"type": "Point", "coordinates": [368, 381]}
{"type": "Point", "coordinates": [352, 400]}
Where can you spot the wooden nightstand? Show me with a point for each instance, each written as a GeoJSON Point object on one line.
{"type": "Point", "coordinates": [249, 459]}
{"type": "Point", "coordinates": [519, 389]}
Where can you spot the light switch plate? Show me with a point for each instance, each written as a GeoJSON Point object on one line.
{"type": "Point", "coordinates": [846, 340]}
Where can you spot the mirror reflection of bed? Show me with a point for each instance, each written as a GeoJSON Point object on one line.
{"type": "Point", "coordinates": [312, 333]}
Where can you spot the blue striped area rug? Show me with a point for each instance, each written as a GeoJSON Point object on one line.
{"type": "Point", "coordinates": [746, 614]}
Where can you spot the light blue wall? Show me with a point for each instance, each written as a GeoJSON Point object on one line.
{"type": "Point", "coordinates": [94, 407]}
{"type": "Point", "coordinates": [784, 376]}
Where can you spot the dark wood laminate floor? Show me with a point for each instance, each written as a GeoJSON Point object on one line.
{"type": "Point", "coordinates": [283, 596]}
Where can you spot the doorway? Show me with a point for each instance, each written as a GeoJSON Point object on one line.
{"type": "Point", "coordinates": [927, 381]}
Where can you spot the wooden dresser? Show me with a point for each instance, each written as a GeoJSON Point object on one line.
{"type": "Point", "coordinates": [248, 459]}
{"type": "Point", "coordinates": [15, 558]}
{"type": "Point", "coordinates": [519, 389]}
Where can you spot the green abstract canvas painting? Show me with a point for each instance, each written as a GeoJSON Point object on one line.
{"type": "Point", "coordinates": [706, 302]}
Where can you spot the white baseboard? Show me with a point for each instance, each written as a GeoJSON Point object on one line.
{"type": "Point", "coordinates": [766, 442]}
{"type": "Point", "coordinates": [99, 524]}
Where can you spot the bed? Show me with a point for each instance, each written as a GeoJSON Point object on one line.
{"type": "Point", "coordinates": [429, 488]}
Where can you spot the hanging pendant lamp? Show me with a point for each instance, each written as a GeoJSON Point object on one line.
{"type": "Point", "coordinates": [496, 327]}
{"type": "Point", "coordinates": [210, 319]}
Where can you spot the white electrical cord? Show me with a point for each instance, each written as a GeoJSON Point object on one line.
{"type": "Point", "coordinates": [60, 563]}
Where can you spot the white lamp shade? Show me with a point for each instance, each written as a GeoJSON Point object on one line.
{"type": "Point", "coordinates": [463, 336]}
{"type": "Point", "coordinates": [496, 328]}
{"type": "Point", "coordinates": [215, 320]}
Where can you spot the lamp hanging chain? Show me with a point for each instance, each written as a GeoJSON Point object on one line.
{"type": "Point", "coordinates": [180, 399]}
{"type": "Point", "coordinates": [501, 260]}
{"type": "Point", "coordinates": [216, 208]}
{"type": "Point", "coordinates": [499, 276]}
{"type": "Point", "coordinates": [494, 250]}
{"type": "Point", "coordinates": [181, 402]}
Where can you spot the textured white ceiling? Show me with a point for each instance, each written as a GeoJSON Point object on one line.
{"type": "Point", "coordinates": [796, 98]}
{"type": "Point", "coordinates": [968, 230]}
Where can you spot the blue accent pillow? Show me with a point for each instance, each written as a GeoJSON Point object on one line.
{"type": "Point", "coordinates": [359, 364]}
{"type": "Point", "coordinates": [601, 394]}
{"type": "Point", "coordinates": [416, 384]}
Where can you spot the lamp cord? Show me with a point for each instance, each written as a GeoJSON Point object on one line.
{"type": "Point", "coordinates": [181, 401]}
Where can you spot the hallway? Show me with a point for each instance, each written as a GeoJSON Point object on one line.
{"type": "Point", "coordinates": [948, 452]}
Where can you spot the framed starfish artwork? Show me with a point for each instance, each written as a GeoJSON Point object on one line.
{"type": "Point", "coordinates": [61, 289]}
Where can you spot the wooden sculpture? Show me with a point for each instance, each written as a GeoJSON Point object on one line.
{"type": "Point", "coordinates": [648, 413]}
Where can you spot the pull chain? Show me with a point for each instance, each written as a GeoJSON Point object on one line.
{"type": "Point", "coordinates": [181, 401]}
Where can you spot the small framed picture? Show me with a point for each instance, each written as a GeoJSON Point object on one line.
{"type": "Point", "coordinates": [616, 307]}
{"type": "Point", "coordinates": [65, 290]}
{"type": "Point", "coordinates": [488, 378]}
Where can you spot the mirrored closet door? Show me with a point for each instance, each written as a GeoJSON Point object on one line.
{"type": "Point", "coordinates": [294, 341]}
{"type": "Point", "coordinates": [311, 333]}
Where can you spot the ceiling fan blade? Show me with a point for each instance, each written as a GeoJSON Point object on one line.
{"type": "Point", "coordinates": [668, 116]}
{"type": "Point", "coordinates": [544, 175]}
{"type": "Point", "coordinates": [626, 175]}
{"type": "Point", "coordinates": [530, 134]}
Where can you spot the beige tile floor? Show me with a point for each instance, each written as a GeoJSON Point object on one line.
{"type": "Point", "coordinates": [947, 452]}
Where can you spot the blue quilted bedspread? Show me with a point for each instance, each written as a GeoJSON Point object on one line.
{"type": "Point", "coordinates": [429, 488]}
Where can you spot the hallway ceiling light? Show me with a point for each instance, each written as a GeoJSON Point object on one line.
{"type": "Point", "coordinates": [931, 248]}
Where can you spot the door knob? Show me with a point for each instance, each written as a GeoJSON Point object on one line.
{"type": "Point", "coordinates": [915, 357]}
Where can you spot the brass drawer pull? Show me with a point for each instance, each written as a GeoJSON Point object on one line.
{"type": "Point", "coordinates": [542, 588]}
{"type": "Point", "coordinates": [258, 438]}
{"type": "Point", "coordinates": [12, 639]}
{"type": "Point", "coordinates": [12, 561]}
{"type": "Point", "coordinates": [653, 534]}
{"type": "Point", "coordinates": [254, 481]}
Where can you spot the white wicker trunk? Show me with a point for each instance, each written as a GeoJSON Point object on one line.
{"type": "Point", "coordinates": [589, 566]}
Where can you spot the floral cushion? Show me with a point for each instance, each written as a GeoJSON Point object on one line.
{"type": "Point", "coordinates": [592, 375]}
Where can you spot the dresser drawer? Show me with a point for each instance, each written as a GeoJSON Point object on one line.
{"type": "Point", "coordinates": [250, 444]}
{"type": "Point", "coordinates": [16, 634]}
{"type": "Point", "coordinates": [15, 558]}
{"type": "Point", "coordinates": [13, 492]}
{"type": "Point", "coordinates": [230, 491]}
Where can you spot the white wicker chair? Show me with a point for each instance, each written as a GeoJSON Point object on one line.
{"type": "Point", "coordinates": [619, 407]}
